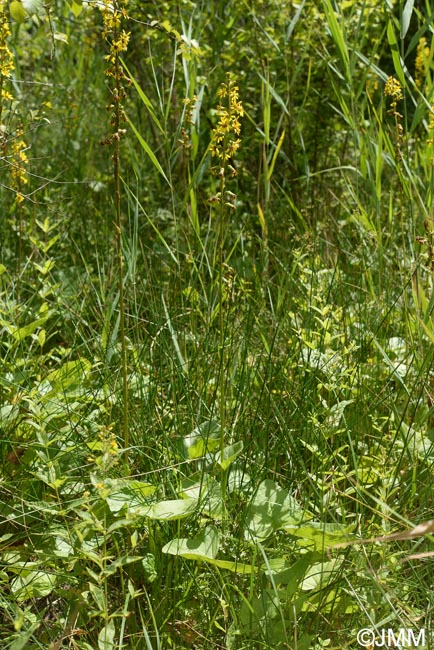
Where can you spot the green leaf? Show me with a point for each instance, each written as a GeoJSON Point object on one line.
{"type": "Point", "coordinates": [76, 7]}
{"type": "Point", "coordinates": [229, 454]}
{"type": "Point", "coordinates": [203, 547]}
{"type": "Point", "coordinates": [406, 18]}
{"type": "Point", "coordinates": [271, 508]}
{"type": "Point", "coordinates": [9, 414]}
{"type": "Point", "coordinates": [207, 491]}
{"type": "Point", "coordinates": [147, 102]}
{"type": "Point", "coordinates": [321, 574]}
{"type": "Point", "coordinates": [126, 493]}
{"type": "Point", "coordinates": [393, 42]}
{"type": "Point", "coordinates": [106, 637]}
{"type": "Point", "coordinates": [235, 567]}
{"type": "Point", "coordinates": [61, 36]}
{"type": "Point", "coordinates": [150, 567]}
{"type": "Point", "coordinates": [33, 7]}
{"type": "Point", "coordinates": [32, 584]}
{"type": "Point", "coordinates": [18, 12]}
{"type": "Point", "coordinates": [203, 440]}
{"type": "Point", "coordinates": [149, 151]}
{"type": "Point", "coordinates": [338, 36]}
{"type": "Point", "coordinates": [285, 573]}
{"type": "Point", "coordinates": [20, 333]}
{"type": "Point", "coordinates": [169, 510]}
{"type": "Point", "coordinates": [321, 536]}
{"type": "Point", "coordinates": [70, 374]}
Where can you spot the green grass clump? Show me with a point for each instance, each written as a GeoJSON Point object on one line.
{"type": "Point", "coordinates": [216, 305]}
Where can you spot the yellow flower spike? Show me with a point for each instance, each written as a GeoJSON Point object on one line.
{"type": "Point", "coordinates": [223, 144]}
{"type": "Point", "coordinates": [422, 59]}
{"type": "Point", "coordinates": [393, 89]}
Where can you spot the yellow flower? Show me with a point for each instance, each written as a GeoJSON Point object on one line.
{"type": "Point", "coordinates": [393, 89]}
{"type": "Point", "coordinates": [224, 142]}
{"type": "Point", "coordinates": [422, 57]}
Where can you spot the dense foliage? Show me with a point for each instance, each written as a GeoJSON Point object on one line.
{"type": "Point", "coordinates": [216, 385]}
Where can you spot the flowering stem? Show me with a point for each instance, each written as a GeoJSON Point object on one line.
{"type": "Point", "coordinates": [118, 39]}
{"type": "Point", "coordinates": [224, 145]}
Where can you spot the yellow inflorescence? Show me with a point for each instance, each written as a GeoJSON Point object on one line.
{"type": "Point", "coordinates": [422, 57]}
{"type": "Point", "coordinates": [6, 57]}
{"type": "Point", "coordinates": [15, 153]}
{"type": "Point", "coordinates": [393, 89]}
{"type": "Point", "coordinates": [225, 142]}
{"type": "Point", "coordinates": [19, 165]}
{"type": "Point", "coordinates": [113, 14]}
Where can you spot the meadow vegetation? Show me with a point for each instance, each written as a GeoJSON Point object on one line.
{"type": "Point", "coordinates": [216, 313]}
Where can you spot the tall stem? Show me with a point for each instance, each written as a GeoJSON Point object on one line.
{"type": "Point", "coordinates": [222, 347]}
{"type": "Point", "coordinates": [118, 40]}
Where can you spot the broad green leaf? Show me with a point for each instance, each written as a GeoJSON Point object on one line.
{"type": "Point", "coordinates": [106, 637]}
{"type": "Point", "coordinates": [207, 491]}
{"type": "Point", "coordinates": [76, 7]}
{"type": "Point", "coordinates": [291, 574]}
{"type": "Point", "coordinates": [150, 567]}
{"type": "Point", "coordinates": [18, 12]}
{"type": "Point", "coordinates": [229, 454]}
{"type": "Point", "coordinates": [42, 335]}
{"type": "Point", "coordinates": [271, 508]}
{"type": "Point", "coordinates": [203, 547]}
{"type": "Point", "coordinates": [8, 414]}
{"type": "Point", "coordinates": [199, 486]}
{"type": "Point", "coordinates": [169, 510]}
{"type": "Point", "coordinates": [112, 567]}
{"type": "Point", "coordinates": [126, 493]}
{"type": "Point", "coordinates": [32, 584]}
{"type": "Point", "coordinates": [203, 440]}
{"type": "Point", "coordinates": [45, 268]}
{"type": "Point", "coordinates": [63, 547]}
{"type": "Point", "coordinates": [20, 333]}
{"type": "Point", "coordinates": [22, 642]}
{"type": "Point", "coordinates": [235, 567]}
{"type": "Point", "coordinates": [321, 536]}
{"type": "Point", "coordinates": [321, 574]}
{"type": "Point", "coordinates": [335, 600]}
{"type": "Point", "coordinates": [98, 595]}
{"type": "Point", "coordinates": [71, 373]}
